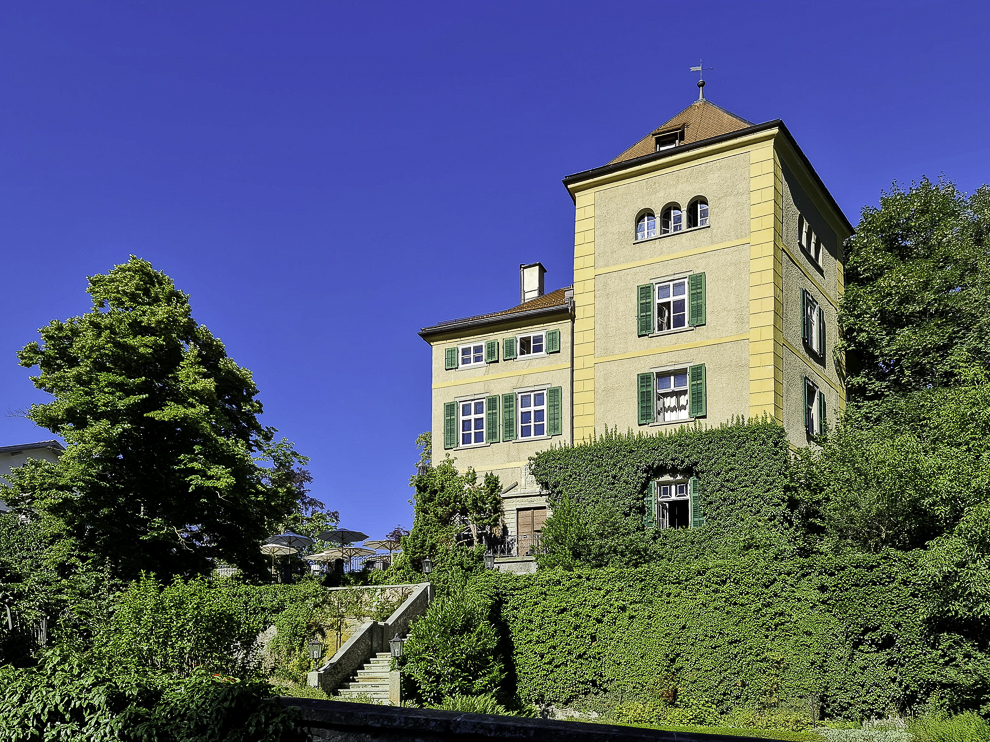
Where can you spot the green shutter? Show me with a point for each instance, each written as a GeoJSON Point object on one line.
{"type": "Point", "coordinates": [553, 341]}
{"type": "Point", "coordinates": [697, 512]}
{"type": "Point", "coordinates": [697, 299]}
{"type": "Point", "coordinates": [555, 410]}
{"type": "Point", "coordinates": [807, 417]}
{"type": "Point", "coordinates": [821, 332]}
{"type": "Point", "coordinates": [450, 359]}
{"type": "Point", "coordinates": [491, 351]}
{"type": "Point", "coordinates": [647, 398]}
{"type": "Point", "coordinates": [644, 299]}
{"type": "Point", "coordinates": [821, 412]}
{"type": "Point", "coordinates": [650, 505]}
{"type": "Point", "coordinates": [508, 417]}
{"type": "Point", "coordinates": [491, 419]}
{"type": "Point", "coordinates": [804, 316]}
{"type": "Point", "coordinates": [509, 348]}
{"type": "Point", "coordinates": [450, 425]}
{"type": "Point", "coordinates": [698, 391]}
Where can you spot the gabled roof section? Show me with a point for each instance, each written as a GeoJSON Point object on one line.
{"type": "Point", "coordinates": [701, 120]}
{"type": "Point", "coordinates": [54, 445]}
{"type": "Point", "coordinates": [552, 303]}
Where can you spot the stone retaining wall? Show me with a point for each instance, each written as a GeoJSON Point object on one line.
{"type": "Point", "coordinates": [336, 721]}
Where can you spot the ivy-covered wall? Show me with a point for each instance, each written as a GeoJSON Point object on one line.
{"type": "Point", "coordinates": [746, 611]}
{"type": "Point", "coordinates": [841, 636]}
{"type": "Point", "coordinates": [598, 491]}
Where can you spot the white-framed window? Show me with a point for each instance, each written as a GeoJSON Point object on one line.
{"type": "Point", "coordinates": [811, 312]}
{"type": "Point", "coordinates": [531, 345]}
{"type": "Point", "coordinates": [809, 241]}
{"type": "Point", "coordinates": [673, 504]}
{"type": "Point", "coordinates": [672, 395]}
{"type": "Point", "coordinates": [814, 408]}
{"type": "Point", "coordinates": [667, 140]}
{"type": "Point", "coordinates": [646, 226]}
{"type": "Point", "coordinates": [697, 214]}
{"type": "Point", "coordinates": [815, 249]}
{"type": "Point", "coordinates": [812, 324]}
{"type": "Point", "coordinates": [532, 414]}
{"type": "Point", "coordinates": [471, 413]}
{"type": "Point", "coordinates": [671, 299]}
{"type": "Point", "coordinates": [671, 220]}
{"type": "Point", "coordinates": [472, 355]}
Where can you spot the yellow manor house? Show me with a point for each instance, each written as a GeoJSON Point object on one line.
{"type": "Point", "coordinates": [707, 274]}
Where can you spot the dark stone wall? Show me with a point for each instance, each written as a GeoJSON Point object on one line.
{"type": "Point", "coordinates": [337, 721]}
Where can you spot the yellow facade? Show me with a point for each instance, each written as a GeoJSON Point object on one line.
{"type": "Point", "coordinates": [760, 280]}
{"type": "Point", "coordinates": [767, 248]}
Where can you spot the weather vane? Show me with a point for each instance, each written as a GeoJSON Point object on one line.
{"type": "Point", "coordinates": [700, 69]}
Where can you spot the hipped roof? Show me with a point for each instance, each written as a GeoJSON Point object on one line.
{"type": "Point", "coordinates": [701, 120]}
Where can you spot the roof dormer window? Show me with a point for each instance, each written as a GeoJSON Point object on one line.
{"type": "Point", "coordinates": [668, 139]}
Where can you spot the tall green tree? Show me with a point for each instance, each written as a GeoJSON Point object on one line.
{"type": "Point", "coordinates": [917, 290]}
{"type": "Point", "coordinates": [450, 509]}
{"type": "Point", "coordinates": [167, 466]}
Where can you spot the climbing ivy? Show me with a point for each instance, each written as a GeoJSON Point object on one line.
{"type": "Point", "coordinates": [841, 636]}
{"type": "Point", "coordinates": [597, 490]}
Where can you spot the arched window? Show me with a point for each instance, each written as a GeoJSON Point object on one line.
{"type": "Point", "coordinates": [698, 213]}
{"type": "Point", "coordinates": [671, 220]}
{"type": "Point", "coordinates": [646, 226]}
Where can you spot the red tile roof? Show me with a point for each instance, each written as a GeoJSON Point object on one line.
{"type": "Point", "coordinates": [701, 120]}
{"type": "Point", "coordinates": [556, 298]}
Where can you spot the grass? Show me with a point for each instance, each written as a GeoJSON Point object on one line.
{"type": "Point", "coordinates": [781, 734]}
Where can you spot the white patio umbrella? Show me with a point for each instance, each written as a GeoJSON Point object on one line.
{"type": "Point", "coordinates": [277, 550]}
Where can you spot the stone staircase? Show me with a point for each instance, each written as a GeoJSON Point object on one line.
{"type": "Point", "coordinates": [371, 681]}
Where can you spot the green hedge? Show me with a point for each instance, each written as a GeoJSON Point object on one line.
{"type": "Point", "coordinates": [598, 490]}
{"type": "Point", "coordinates": [845, 635]}
{"type": "Point", "coordinates": [67, 700]}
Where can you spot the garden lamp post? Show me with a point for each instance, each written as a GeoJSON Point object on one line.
{"type": "Point", "coordinates": [395, 645]}
{"type": "Point", "coordinates": [489, 561]}
{"type": "Point", "coordinates": [315, 650]}
{"type": "Point", "coordinates": [427, 566]}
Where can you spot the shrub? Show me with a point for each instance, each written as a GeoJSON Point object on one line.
{"type": "Point", "coordinates": [454, 650]}
{"type": "Point", "coordinates": [968, 727]}
{"type": "Point", "coordinates": [69, 700]}
{"type": "Point", "coordinates": [177, 627]}
{"type": "Point", "coordinates": [473, 705]}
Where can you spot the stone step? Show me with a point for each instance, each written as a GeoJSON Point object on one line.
{"type": "Point", "coordinates": [377, 695]}
{"type": "Point", "coordinates": [372, 674]}
{"type": "Point", "coordinates": [368, 686]}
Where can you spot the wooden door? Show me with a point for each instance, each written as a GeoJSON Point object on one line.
{"type": "Point", "coordinates": [529, 526]}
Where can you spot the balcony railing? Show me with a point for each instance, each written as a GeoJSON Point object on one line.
{"type": "Point", "coordinates": [526, 546]}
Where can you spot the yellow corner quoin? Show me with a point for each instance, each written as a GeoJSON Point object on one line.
{"type": "Point", "coordinates": [687, 255]}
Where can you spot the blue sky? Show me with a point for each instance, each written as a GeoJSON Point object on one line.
{"type": "Point", "coordinates": [326, 178]}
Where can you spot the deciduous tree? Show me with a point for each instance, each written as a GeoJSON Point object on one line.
{"type": "Point", "coordinates": [167, 466]}
{"type": "Point", "coordinates": [917, 290]}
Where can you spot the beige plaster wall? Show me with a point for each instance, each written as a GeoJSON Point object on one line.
{"type": "Point", "coordinates": [801, 197]}
{"type": "Point", "coordinates": [794, 281]}
{"type": "Point", "coordinates": [726, 368]}
{"type": "Point", "coordinates": [723, 181]}
{"type": "Point", "coordinates": [727, 310]}
{"type": "Point", "coordinates": [506, 460]}
{"type": "Point", "coordinates": [797, 202]}
{"type": "Point", "coordinates": [12, 461]}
